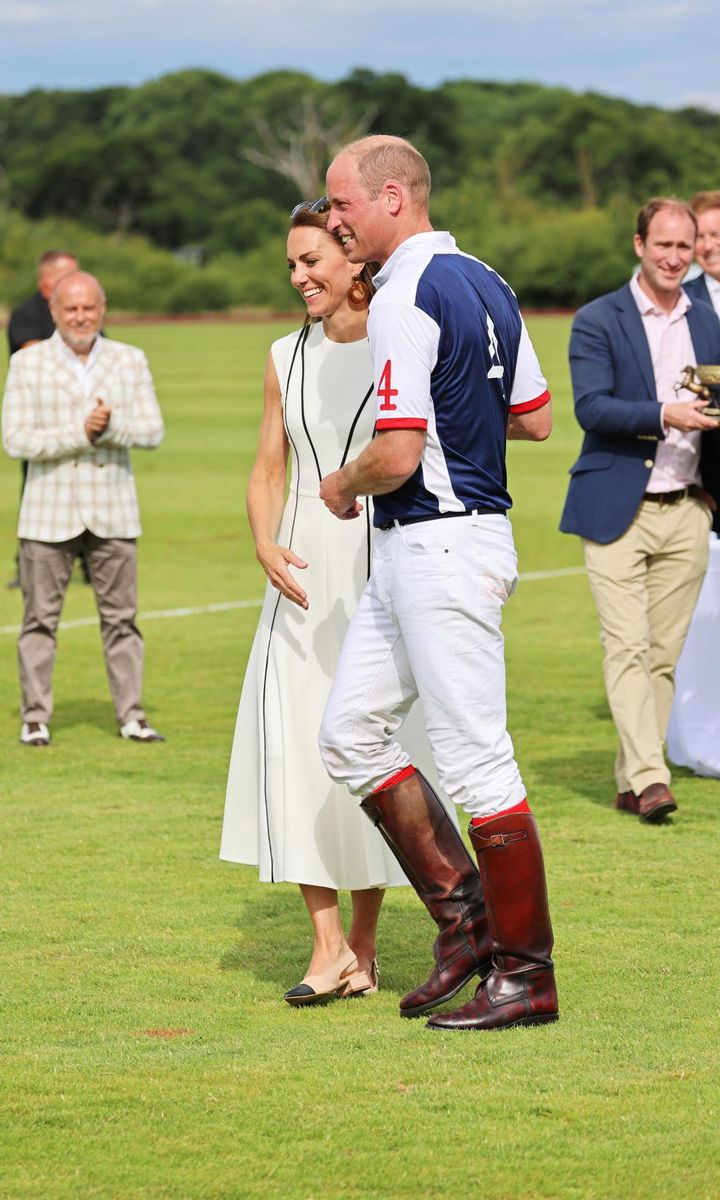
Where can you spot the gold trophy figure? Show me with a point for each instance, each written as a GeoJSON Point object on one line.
{"type": "Point", "coordinates": [703, 381]}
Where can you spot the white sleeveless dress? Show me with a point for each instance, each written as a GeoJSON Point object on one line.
{"type": "Point", "coordinates": [282, 811]}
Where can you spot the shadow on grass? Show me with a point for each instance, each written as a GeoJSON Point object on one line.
{"type": "Point", "coordinates": [276, 940]}
{"type": "Point", "coordinates": [589, 774]}
{"type": "Point", "coordinates": [68, 714]}
{"type": "Point", "coordinates": [93, 712]}
{"type": "Point", "coordinates": [85, 711]}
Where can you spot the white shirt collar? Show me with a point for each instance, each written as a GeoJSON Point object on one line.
{"type": "Point", "coordinates": [713, 285]}
{"type": "Point", "coordinates": [435, 242]}
{"type": "Point", "coordinates": [646, 305]}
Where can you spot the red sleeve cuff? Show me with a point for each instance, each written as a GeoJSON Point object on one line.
{"type": "Point", "coordinates": [530, 405]}
{"type": "Point", "coordinates": [401, 423]}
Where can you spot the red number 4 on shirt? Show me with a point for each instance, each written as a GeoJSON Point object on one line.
{"type": "Point", "coordinates": [385, 388]}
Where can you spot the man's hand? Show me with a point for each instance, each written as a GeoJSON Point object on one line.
{"type": "Point", "coordinates": [98, 421]}
{"type": "Point", "coordinates": [688, 417]}
{"type": "Point", "coordinates": [274, 561]}
{"type": "Point", "coordinates": [341, 502]}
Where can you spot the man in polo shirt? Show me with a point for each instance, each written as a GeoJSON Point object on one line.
{"type": "Point", "coordinates": [641, 492]}
{"type": "Point", "coordinates": [455, 375]}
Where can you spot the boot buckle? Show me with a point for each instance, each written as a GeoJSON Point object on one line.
{"type": "Point", "coordinates": [504, 839]}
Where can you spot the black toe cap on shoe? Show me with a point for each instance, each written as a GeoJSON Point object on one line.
{"type": "Point", "coordinates": [300, 990]}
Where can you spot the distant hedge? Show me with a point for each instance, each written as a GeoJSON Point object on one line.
{"type": "Point", "coordinates": [138, 276]}
{"type": "Point", "coordinates": [541, 182]}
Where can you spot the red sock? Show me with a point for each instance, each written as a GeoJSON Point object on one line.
{"type": "Point", "coordinates": [397, 778]}
{"type": "Point", "coordinates": [522, 807]}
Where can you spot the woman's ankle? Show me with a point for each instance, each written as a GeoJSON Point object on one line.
{"type": "Point", "coordinates": [326, 953]}
{"type": "Point", "coordinates": [363, 949]}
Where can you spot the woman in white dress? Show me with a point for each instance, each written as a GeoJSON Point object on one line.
{"type": "Point", "coordinates": [282, 811]}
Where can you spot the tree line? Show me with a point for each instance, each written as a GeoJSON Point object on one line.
{"type": "Point", "coordinates": [541, 182]}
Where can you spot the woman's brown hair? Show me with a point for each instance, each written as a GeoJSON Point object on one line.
{"type": "Point", "coordinates": [319, 220]}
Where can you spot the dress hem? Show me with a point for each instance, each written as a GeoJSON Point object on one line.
{"type": "Point", "coordinates": [338, 887]}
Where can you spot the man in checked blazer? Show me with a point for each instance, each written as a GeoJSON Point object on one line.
{"type": "Point", "coordinates": [644, 492]}
{"type": "Point", "coordinates": [74, 405]}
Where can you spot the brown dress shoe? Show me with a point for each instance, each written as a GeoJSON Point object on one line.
{"type": "Point", "coordinates": [627, 802]}
{"type": "Point", "coordinates": [655, 803]}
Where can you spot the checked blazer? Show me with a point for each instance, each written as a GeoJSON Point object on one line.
{"type": "Point", "coordinates": [72, 483]}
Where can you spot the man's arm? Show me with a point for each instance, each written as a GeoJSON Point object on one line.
{"type": "Point", "coordinates": [140, 422]}
{"type": "Point", "coordinates": [598, 407]}
{"type": "Point", "coordinates": [384, 465]}
{"type": "Point", "coordinates": [534, 426]}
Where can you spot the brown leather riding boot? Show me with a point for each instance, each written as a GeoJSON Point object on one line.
{"type": "Point", "coordinates": [520, 990]}
{"type": "Point", "coordinates": [418, 830]}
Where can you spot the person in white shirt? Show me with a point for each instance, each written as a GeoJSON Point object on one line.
{"type": "Point", "coordinates": [73, 407]}
{"type": "Point", "coordinates": [643, 491]}
{"type": "Point", "coordinates": [706, 286]}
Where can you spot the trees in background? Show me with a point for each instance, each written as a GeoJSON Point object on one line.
{"type": "Point", "coordinates": [541, 182]}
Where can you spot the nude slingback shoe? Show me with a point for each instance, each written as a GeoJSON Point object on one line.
{"type": "Point", "coordinates": [339, 980]}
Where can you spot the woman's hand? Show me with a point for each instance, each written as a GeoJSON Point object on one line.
{"type": "Point", "coordinates": [274, 561]}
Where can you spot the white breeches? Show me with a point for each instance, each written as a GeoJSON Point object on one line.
{"type": "Point", "coordinates": [428, 625]}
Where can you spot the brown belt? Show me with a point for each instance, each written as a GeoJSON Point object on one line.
{"type": "Point", "coordinates": [672, 497]}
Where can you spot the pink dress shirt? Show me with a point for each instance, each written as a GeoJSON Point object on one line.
{"type": "Point", "coordinates": [671, 350]}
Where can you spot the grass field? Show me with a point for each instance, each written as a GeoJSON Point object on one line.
{"type": "Point", "coordinates": [146, 1049]}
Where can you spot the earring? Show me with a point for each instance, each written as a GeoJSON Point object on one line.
{"type": "Point", "coordinates": [358, 294]}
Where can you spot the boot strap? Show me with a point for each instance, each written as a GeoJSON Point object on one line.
{"type": "Point", "coordinates": [496, 839]}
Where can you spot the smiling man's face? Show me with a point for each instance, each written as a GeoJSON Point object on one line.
{"type": "Point", "coordinates": [666, 253]}
{"type": "Point", "coordinates": [363, 224]}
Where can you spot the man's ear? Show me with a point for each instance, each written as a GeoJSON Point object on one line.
{"type": "Point", "coordinates": [394, 196]}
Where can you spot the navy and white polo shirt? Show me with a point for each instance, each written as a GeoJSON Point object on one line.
{"type": "Point", "coordinates": [452, 356]}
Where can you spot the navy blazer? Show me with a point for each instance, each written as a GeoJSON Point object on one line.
{"type": "Point", "coordinates": [616, 404]}
{"type": "Point", "coordinates": [697, 289]}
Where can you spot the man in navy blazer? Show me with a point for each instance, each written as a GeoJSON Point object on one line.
{"type": "Point", "coordinates": [643, 491]}
{"type": "Point", "coordinates": [706, 287]}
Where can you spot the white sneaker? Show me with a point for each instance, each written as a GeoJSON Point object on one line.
{"type": "Point", "coordinates": [34, 733]}
{"type": "Point", "coordinates": [140, 731]}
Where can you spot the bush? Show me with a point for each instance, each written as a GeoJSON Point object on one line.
{"type": "Point", "coordinates": [551, 257]}
{"type": "Point", "coordinates": [205, 290]}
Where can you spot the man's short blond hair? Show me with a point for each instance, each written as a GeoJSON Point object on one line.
{"type": "Point", "coordinates": [381, 157]}
{"type": "Point", "coordinates": [703, 201]}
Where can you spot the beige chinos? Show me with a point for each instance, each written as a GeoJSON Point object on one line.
{"type": "Point", "coordinates": [645, 586]}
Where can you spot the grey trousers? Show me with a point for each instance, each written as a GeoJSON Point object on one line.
{"type": "Point", "coordinates": [45, 569]}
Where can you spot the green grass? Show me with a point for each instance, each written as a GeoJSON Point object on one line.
{"type": "Point", "coordinates": [118, 920]}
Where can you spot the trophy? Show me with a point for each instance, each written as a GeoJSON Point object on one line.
{"type": "Point", "coordinates": [703, 381]}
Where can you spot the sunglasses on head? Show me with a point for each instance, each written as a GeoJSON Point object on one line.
{"type": "Point", "coordinates": [321, 205]}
